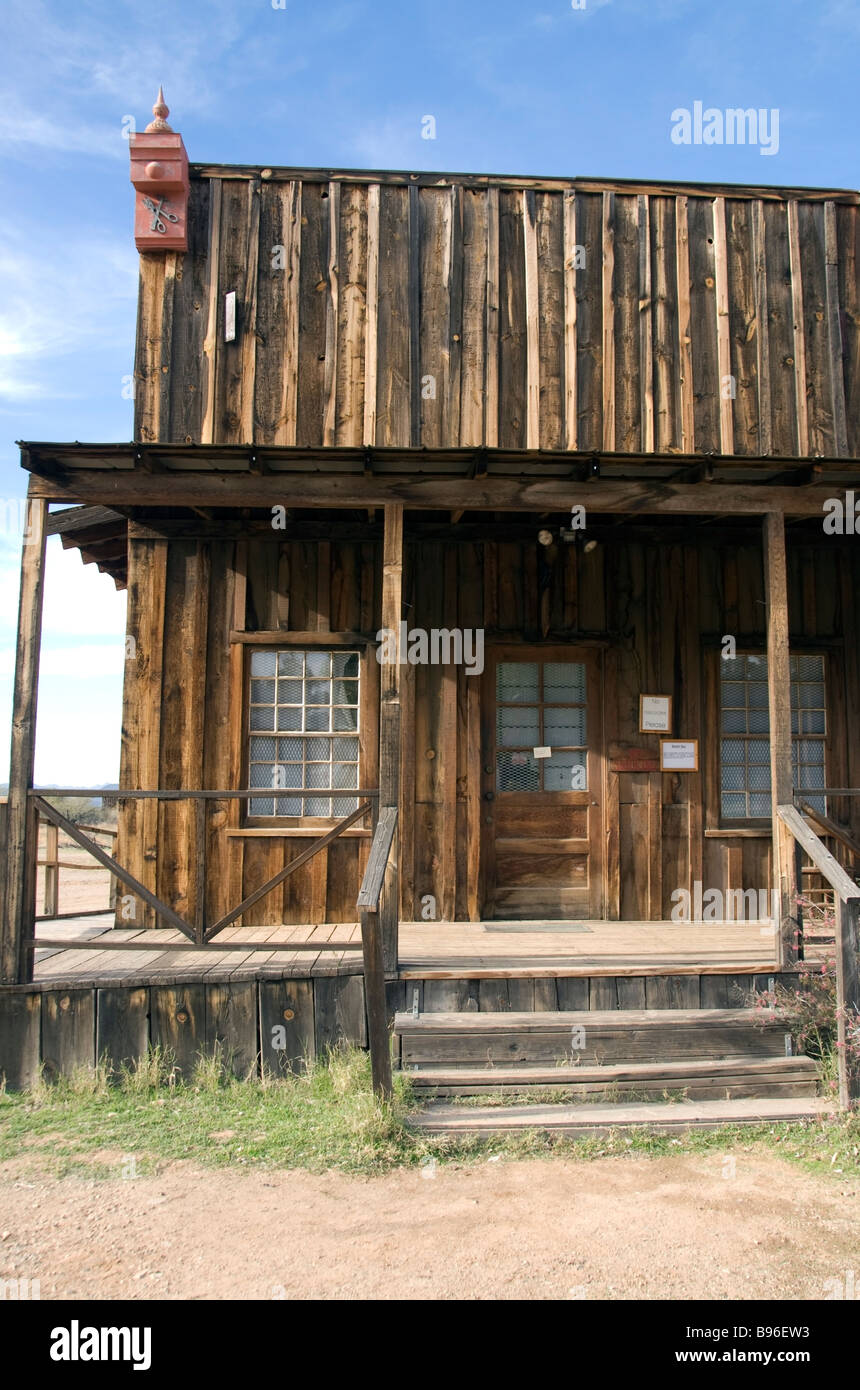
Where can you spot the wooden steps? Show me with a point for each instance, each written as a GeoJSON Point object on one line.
{"type": "Point", "coordinates": [719, 1079]}
{"type": "Point", "coordinates": [620, 1057]}
{"type": "Point", "coordinates": [592, 1120]}
{"type": "Point", "coordinates": [594, 1036]}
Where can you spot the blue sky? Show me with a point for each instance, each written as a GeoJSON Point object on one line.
{"type": "Point", "coordinates": [537, 88]}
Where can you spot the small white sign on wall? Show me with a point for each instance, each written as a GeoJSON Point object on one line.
{"type": "Point", "coordinates": [542, 752]}
{"type": "Point", "coordinates": [655, 714]}
{"type": "Point", "coordinates": [679, 755]}
{"type": "Point", "coordinates": [230, 317]}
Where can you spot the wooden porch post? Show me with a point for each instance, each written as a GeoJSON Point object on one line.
{"type": "Point", "coordinates": [779, 701]}
{"type": "Point", "coordinates": [389, 723]}
{"type": "Point", "coordinates": [21, 851]}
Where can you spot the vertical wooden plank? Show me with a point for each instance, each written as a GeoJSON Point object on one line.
{"type": "Point", "coordinates": [703, 317]}
{"type": "Point", "coordinates": [667, 430]}
{"type": "Point", "coordinates": [646, 354]}
{"type": "Point", "coordinates": [834, 329]}
{"type": "Point", "coordinates": [287, 1039]}
{"type": "Point", "coordinates": [331, 318]}
{"type": "Point", "coordinates": [352, 318]}
{"type": "Point", "coordinates": [434, 244]}
{"type": "Point", "coordinates": [447, 756]}
{"type": "Point", "coordinates": [414, 300]}
{"type": "Point", "coordinates": [178, 1024]}
{"type": "Point", "coordinates": [374, 993]}
{"type": "Point", "coordinates": [627, 325]}
{"type": "Point", "coordinates": [724, 352]}
{"type": "Point", "coordinates": [796, 263]}
{"type": "Point", "coordinates": [20, 1015]}
{"type": "Point", "coordinates": [276, 378]}
{"type": "Point", "coordinates": [210, 342]}
{"type": "Point", "coordinates": [236, 721]}
{"type": "Point", "coordinates": [52, 873]}
{"type": "Point", "coordinates": [765, 403]}
{"type": "Point", "coordinates": [183, 708]}
{"type": "Point", "coordinates": [685, 346]}
{"type": "Point", "coordinates": [847, 995]}
{"type": "Point", "coordinates": [608, 310]}
{"type": "Point", "coordinates": [313, 313]}
{"type": "Point", "coordinates": [456, 270]}
{"type": "Point", "coordinates": [570, 273]}
{"type": "Point", "coordinates": [122, 1026]}
{"type": "Point", "coordinates": [237, 271]}
{"type": "Point", "coordinates": [147, 366]}
{"type": "Point", "coordinates": [371, 341]}
{"type": "Point", "coordinates": [530, 256]}
{"type": "Point", "coordinates": [339, 1012]}
{"type": "Point", "coordinates": [190, 306]}
{"type": "Point", "coordinates": [743, 328]}
{"type": "Point", "coordinates": [68, 1031]}
{"type": "Point", "coordinates": [780, 332]}
{"type": "Point", "coordinates": [389, 721]}
{"type": "Point", "coordinates": [231, 1025]}
{"type": "Point", "coordinates": [550, 270]}
{"type": "Point", "coordinates": [513, 327]}
{"type": "Point", "coordinates": [491, 388]}
{"type": "Point", "coordinates": [848, 243]}
{"type": "Point", "coordinates": [779, 703]}
{"type": "Point", "coordinates": [474, 328]}
{"type": "Point", "coordinates": [21, 853]}
{"type": "Point", "coordinates": [394, 353]}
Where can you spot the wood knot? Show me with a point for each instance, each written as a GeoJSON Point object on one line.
{"type": "Point", "coordinates": [288, 1014]}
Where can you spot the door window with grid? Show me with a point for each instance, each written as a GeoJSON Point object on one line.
{"type": "Point", "coordinates": [541, 704]}
{"type": "Point", "coordinates": [745, 734]}
{"type": "Point", "coordinates": [303, 727]}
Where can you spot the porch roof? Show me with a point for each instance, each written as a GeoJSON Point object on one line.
{"type": "Point", "coordinates": [132, 475]}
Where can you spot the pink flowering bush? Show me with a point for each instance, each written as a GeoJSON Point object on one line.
{"type": "Point", "coordinates": [808, 1008]}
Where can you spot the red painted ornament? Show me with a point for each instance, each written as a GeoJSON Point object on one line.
{"type": "Point", "coordinates": [159, 172]}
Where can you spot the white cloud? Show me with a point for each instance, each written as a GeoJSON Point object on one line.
{"type": "Point", "coordinates": [54, 305]}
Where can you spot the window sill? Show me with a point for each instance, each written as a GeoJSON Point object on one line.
{"type": "Point", "coordinates": [283, 832]}
{"type": "Point", "coordinates": [739, 832]}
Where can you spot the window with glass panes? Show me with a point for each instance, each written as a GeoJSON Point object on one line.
{"type": "Point", "coordinates": [745, 734]}
{"type": "Point", "coordinates": [541, 704]}
{"type": "Point", "coordinates": [303, 732]}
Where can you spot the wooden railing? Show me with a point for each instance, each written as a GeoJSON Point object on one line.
{"type": "Point", "coordinates": [371, 943]}
{"type": "Point", "coordinates": [200, 936]}
{"type": "Point", "coordinates": [52, 864]}
{"type": "Point", "coordinates": [847, 943]}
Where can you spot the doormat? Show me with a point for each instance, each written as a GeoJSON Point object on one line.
{"type": "Point", "coordinates": [524, 928]}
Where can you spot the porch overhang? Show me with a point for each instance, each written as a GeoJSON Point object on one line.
{"type": "Point", "coordinates": [128, 476]}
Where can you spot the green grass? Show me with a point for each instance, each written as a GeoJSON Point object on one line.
{"type": "Point", "coordinates": [325, 1119]}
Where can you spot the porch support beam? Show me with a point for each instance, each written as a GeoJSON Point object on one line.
{"type": "Point", "coordinates": [19, 905]}
{"type": "Point", "coordinates": [779, 702]}
{"type": "Point", "coordinates": [528, 493]}
{"type": "Point", "coordinates": [389, 725]}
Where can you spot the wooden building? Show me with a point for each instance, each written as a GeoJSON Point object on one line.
{"type": "Point", "coordinates": [587, 442]}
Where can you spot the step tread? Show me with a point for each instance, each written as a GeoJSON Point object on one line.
{"type": "Point", "coordinates": [530, 1073]}
{"type": "Point", "coordinates": [441, 1117]}
{"type": "Point", "coordinates": [558, 1021]}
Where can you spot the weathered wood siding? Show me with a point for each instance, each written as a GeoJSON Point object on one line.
{"type": "Point", "coordinates": [657, 609]}
{"type": "Point", "coordinates": [462, 312]}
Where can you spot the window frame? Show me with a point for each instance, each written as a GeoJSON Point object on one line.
{"type": "Point", "coordinates": [715, 821]}
{"type": "Point", "coordinates": [367, 764]}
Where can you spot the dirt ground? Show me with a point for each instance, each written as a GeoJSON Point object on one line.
{"type": "Point", "coordinates": [685, 1227]}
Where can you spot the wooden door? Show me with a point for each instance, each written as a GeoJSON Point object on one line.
{"type": "Point", "coordinates": [542, 813]}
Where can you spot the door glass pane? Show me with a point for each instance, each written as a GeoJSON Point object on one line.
{"type": "Point", "coordinates": [518, 728]}
{"type": "Point", "coordinates": [564, 682]}
{"type": "Point", "coordinates": [517, 682]}
{"type": "Point", "coordinates": [564, 728]}
{"type": "Point", "coordinates": [565, 772]}
{"type": "Point", "coordinates": [516, 771]}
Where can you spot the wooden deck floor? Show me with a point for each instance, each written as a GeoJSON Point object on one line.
{"type": "Point", "coordinates": [427, 949]}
